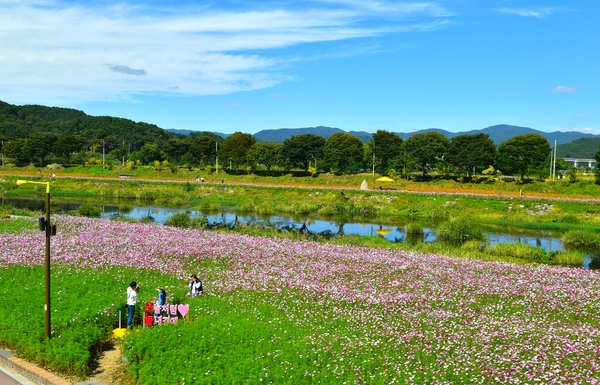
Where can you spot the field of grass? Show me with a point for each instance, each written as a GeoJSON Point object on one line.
{"type": "Point", "coordinates": [289, 311]}
{"type": "Point", "coordinates": [584, 188]}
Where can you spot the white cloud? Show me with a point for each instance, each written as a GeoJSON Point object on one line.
{"type": "Point", "coordinates": [538, 13]}
{"type": "Point", "coordinates": [565, 89]}
{"type": "Point", "coordinates": [51, 53]}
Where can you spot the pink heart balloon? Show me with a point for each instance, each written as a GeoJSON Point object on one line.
{"type": "Point", "coordinates": [183, 309]}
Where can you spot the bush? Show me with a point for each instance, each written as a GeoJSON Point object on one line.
{"type": "Point", "coordinates": [460, 231]}
{"type": "Point", "coordinates": [414, 228]}
{"type": "Point", "coordinates": [518, 250]}
{"type": "Point", "coordinates": [581, 239]}
{"type": "Point", "coordinates": [181, 220]}
{"type": "Point", "coordinates": [326, 211]}
{"type": "Point", "coordinates": [89, 210]}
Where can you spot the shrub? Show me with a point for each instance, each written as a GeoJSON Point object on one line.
{"type": "Point", "coordinates": [89, 210]}
{"type": "Point", "coordinates": [198, 223]}
{"type": "Point", "coordinates": [181, 220]}
{"type": "Point", "coordinates": [365, 210]}
{"type": "Point", "coordinates": [124, 207]}
{"type": "Point", "coordinates": [414, 228]}
{"type": "Point", "coordinates": [460, 231]}
{"type": "Point", "coordinates": [247, 207]}
{"type": "Point", "coordinates": [518, 250]}
{"type": "Point", "coordinates": [569, 257]}
{"type": "Point", "coordinates": [581, 239]}
{"type": "Point", "coordinates": [327, 210]}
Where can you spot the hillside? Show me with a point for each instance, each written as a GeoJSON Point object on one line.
{"type": "Point", "coordinates": [22, 121]}
{"type": "Point", "coordinates": [583, 148]}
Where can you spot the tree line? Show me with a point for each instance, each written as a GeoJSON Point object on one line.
{"type": "Point", "coordinates": [386, 153]}
{"type": "Point", "coordinates": [42, 135]}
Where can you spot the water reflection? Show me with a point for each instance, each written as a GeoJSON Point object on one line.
{"type": "Point", "coordinates": [392, 232]}
{"type": "Point", "coordinates": [591, 261]}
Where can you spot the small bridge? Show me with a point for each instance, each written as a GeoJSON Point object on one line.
{"type": "Point", "coordinates": [576, 161]}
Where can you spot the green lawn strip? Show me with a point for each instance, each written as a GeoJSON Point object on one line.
{"type": "Point", "coordinates": [17, 225]}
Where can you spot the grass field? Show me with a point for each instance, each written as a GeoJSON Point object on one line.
{"type": "Point", "coordinates": [289, 311]}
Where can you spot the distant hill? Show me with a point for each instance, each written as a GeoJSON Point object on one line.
{"type": "Point", "coordinates": [22, 121]}
{"type": "Point", "coordinates": [499, 133]}
{"type": "Point", "coordinates": [281, 134]}
{"type": "Point", "coordinates": [582, 148]}
{"type": "Point", "coordinates": [188, 132]}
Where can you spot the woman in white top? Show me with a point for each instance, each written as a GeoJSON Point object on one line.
{"type": "Point", "coordinates": [132, 296]}
{"type": "Point", "coordinates": [195, 285]}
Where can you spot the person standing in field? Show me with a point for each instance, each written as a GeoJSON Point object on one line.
{"type": "Point", "coordinates": [132, 296]}
{"type": "Point", "coordinates": [195, 286]}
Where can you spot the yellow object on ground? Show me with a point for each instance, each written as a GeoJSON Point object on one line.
{"type": "Point", "coordinates": [119, 333]}
{"type": "Point", "coordinates": [384, 179]}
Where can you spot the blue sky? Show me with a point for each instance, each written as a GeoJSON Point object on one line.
{"type": "Point", "coordinates": [353, 64]}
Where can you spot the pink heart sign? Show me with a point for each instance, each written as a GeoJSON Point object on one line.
{"type": "Point", "coordinates": [183, 310]}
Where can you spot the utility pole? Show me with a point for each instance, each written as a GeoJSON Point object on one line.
{"type": "Point", "coordinates": [216, 157]}
{"type": "Point", "coordinates": [123, 154]}
{"type": "Point", "coordinates": [3, 153]}
{"type": "Point", "coordinates": [102, 153]}
{"type": "Point", "coordinates": [554, 164]}
{"type": "Point", "coordinates": [373, 157]}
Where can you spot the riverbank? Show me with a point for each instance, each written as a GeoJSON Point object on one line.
{"type": "Point", "coordinates": [582, 189]}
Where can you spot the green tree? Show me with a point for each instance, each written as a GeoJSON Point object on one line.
{"type": "Point", "coordinates": [302, 149]}
{"type": "Point", "coordinates": [149, 153]}
{"type": "Point", "coordinates": [265, 153]}
{"type": "Point", "coordinates": [235, 148]}
{"type": "Point", "coordinates": [176, 148]}
{"type": "Point", "coordinates": [386, 146]}
{"type": "Point", "coordinates": [119, 153]}
{"type": "Point", "coordinates": [423, 150]}
{"type": "Point", "coordinates": [342, 149]}
{"type": "Point", "coordinates": [471, 151]}
{"type": "Point", "coordinates": [39, 145]}
{"type": "Point", "coordinates": [14, 149]}
{"type": "Point", "coordinates": [522, 152]}
{"type": "Point", "coordinates": [65, 146]}
{"type": "Point", "coordinates": [204, 148]}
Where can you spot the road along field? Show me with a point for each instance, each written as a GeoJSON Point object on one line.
{"type": "Point", "coordinates": [283, 311]}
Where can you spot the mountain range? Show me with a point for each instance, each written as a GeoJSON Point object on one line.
{"type": "Point", "coordinates": [499, 133]}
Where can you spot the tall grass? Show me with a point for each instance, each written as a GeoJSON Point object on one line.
{"type": "Point", "coordinates": [459, 231]}
{"type": "Point", "coordinates": [582, 240]}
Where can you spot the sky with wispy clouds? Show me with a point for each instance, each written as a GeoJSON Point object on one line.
{"type": "Point", "coordinates": [359, 65]}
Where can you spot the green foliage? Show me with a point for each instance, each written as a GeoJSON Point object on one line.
{"type": "Point", "coordinates": [235, 148]}
{"type": "Point", "coordinates": [471, 151]}
{"type": "Point", "coordinates": [89, 210]}
{"type": "Point", "coordinates": [302, 149]}
{"type": "Point", "coordinates": [582, 148]}
{"type": "Point", "coordinates": [327, 210]}
{"type": "Point", "coordinates": [414, 228]}
{"type": "Point", "coordinates": [520, 153]}
{"type": "Point", "coordinates": [425, 149]}
{"type": "Point", "coordinates": [342, 149]}
{"type": "Point", "coordinates": [386, 146]}
{"type": "Point", "coordinates": [582, 240]}
{"type": "Point", "coordinates": [460, 230]}
{"type": "Point", "coordinates": [268, 154]}
{"type": "Point", "coordinates": [518, 250]}
{"type": "Point", "coordinates": [181, 220]}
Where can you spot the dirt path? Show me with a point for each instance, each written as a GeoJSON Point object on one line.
{"type": "Point", "coordinates": [110, 369]}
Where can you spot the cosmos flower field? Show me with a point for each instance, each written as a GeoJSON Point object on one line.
{"type": "Point", "coordinates": [283, 311]}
